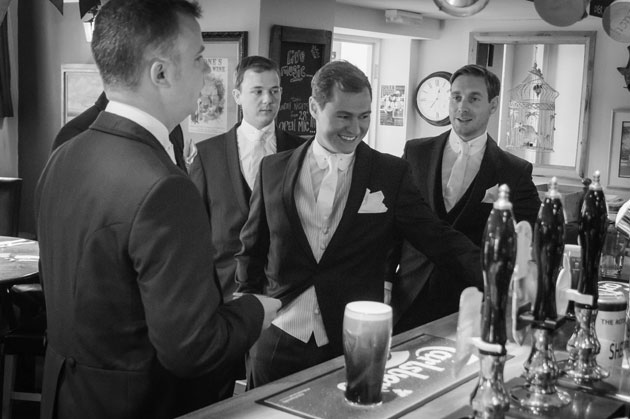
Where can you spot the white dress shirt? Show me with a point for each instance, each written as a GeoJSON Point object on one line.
{"type": "Point", "coordinates": [301, 318]}
{"type": "Point", "coordinates": [452, 149]}
{"type": "Point", "coordinates": [146, 121]}
{"type": "Point", "coordinates": [247, 137]}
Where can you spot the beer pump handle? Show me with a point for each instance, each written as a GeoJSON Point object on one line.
{"type": "Point", "coordinates": [548, 252]}
{"type": "Point", "coordinates": [497, 260]}
{"type": "Point", "coordinates": [592, 231]}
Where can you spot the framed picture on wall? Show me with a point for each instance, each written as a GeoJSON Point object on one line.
{"type": "Point", "coordinates": [299, 53]}
{"type": "Point", "coordinates": [81, 85]}
{"type": "Point", "coordinates": [619, 165]}
{"type": "Point", "coordinates": [216, 111]}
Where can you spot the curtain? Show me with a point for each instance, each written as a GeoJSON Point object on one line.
{"type": "Point", "coordinates": [6, 106]}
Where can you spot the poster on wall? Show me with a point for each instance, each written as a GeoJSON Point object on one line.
{"type": "Point", "coordinates": [211, 114]}
{"type": "Point", "coordinates": [392, 105]}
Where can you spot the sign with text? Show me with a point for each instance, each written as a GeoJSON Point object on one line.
{"type": "Point", "coordinates": [418, 371]}
{"type": "Point", "coordinates": [299, 54]}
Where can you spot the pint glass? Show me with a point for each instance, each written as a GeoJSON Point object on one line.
{"type": "Point", "coordinates": [367, 334]}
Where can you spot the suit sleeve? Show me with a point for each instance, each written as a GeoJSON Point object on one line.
{"type": "Point", "coordinates": [192, 332]}
{"type": "Point", "coordinates": [525, 199]}
{"type": "Point", "coordinates": [443, 245]}
{"type": "Point", "coordinates": [251, 260]}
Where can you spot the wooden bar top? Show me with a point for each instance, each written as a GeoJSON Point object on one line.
{"type": "Point", "coordinates": [245, 405]}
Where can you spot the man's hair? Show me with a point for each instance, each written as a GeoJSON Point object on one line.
{"type": "Point", "coordinates": [345, 76]}
{"type": "Point", "coordinates": [492, 81]}
{"type": "Point", "coordinates": [257, 64]}
{"type": "Point", "coordinates": [126, 31]}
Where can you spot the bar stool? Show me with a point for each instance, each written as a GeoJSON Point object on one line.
{"type": "Point", "coordinates": [10, 191]}
{"type": "Point", "coordinates": [26, 337]}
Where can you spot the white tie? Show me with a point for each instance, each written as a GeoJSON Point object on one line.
{"type": "Point", "coordinates": [258, 152]}
{"type": "Point", "coordinates": [326, 195]}
{"type": "Point", "coordinates": [453, 191]}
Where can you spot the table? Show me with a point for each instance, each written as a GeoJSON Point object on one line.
{"type": "Point", "coordinates": [19, 264]}
{"type": "Point", "coordinates": [19, 261]}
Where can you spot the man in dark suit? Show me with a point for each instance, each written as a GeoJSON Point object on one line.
{"type": "Point", "coordinates": [458, 173]}
{"type": "Point", "coordinates": [134, 310]}
{"type": "Point", "coordinates": [323, 219]}
{"type": "Point", "coordinates": [226, 165]}
{"type": "Point", "coordinates": [83, 121]}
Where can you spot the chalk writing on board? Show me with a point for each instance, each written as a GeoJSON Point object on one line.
{"type": "Point", "coordinates": [299, 62]}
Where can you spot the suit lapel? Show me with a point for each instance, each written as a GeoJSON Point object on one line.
{"type": "Point", "coordinates": [432, 160]}
{"type": "Point", "coordinates": [234, 168]}
{"type": "Point", "coordinates": [291, 174]}
{"type": "Point", "coordinates": [486, 178]}
{"type": "Point", "coordinates": [360, 181]}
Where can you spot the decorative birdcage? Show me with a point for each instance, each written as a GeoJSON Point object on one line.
{"type": "Point", "coordinates": [531, 114]}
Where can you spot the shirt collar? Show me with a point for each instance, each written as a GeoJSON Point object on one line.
{"type": "Point", "coordinates": [140, 117]}
{"type": "Point", "coordinates": [252, 133]}
{"type": "Point", "coordinates": [474, 146]}
{"type": "Point", "coordinates": [322, 155]}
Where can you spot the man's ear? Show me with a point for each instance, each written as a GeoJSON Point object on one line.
{"type": "Point", "coordinates": [494, 104]}
{"type": "Point", "coordinates": [236, 94]}
{"type": "Point", "coordinates": [313, 107]}
{"type": "Point", "coordinates": [160, 72]}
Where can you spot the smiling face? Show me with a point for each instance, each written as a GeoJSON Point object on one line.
{"type": "Point", "coordinates": [343, 121]}
{"type": "Point", "coordinates": [259, 96]}
{"type": "Point", "coordinates": [469, 107]}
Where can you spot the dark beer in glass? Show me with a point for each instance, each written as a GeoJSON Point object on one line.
{"type": "Point", "coordinates": [367, 334]}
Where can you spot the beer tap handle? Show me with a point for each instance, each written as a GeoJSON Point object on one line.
{"type": "Point", "coordinates": [498, 258]}
{"type": "Point", "coordinates": [548, 252]}
{"type": "Point", "coordinates": [592, 231]}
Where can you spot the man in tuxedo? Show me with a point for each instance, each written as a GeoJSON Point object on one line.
{"type": "Point", "coordinates": [135, 316]}
{"type": "Point", "coordinates": [323, 219]}
{"type": "Point", "coordinates": [226, 166]}
{"type": "Point", "coordinates": [184, 150]}
{"type": "Point", "coordinates": [458, 173]}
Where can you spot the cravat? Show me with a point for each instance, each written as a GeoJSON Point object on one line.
{"type": "Point", "coordinates": [326, 195]}
{"type": "Point", "coordinates": [258, 152]}
{"type": "Point", "coordinates": [453, 191]}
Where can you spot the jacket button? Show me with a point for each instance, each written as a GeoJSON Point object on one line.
{"type": "Point", "coordinates": [71, 362]}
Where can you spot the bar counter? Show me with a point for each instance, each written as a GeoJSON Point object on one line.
{"type": "Point", "coordinates": [245, 406]}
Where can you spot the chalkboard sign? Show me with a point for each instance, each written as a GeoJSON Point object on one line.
{"type": "Point", "coordinates": [299, 53]}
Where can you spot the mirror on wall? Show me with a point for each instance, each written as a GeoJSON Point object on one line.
{"type": "Point", "coordinates": [566, 61]}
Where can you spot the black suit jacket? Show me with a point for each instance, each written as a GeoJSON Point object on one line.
{"type": "Point", "coordinates": [134, 309]}
{"type": "Point", "coordinates": [83, 121]}
{"type": "Point", "coordinates": [277, 257]}
{"type": "Point", "coordinates": [468, 216]}
{"type": "Point", "coordinates": [216, 171]}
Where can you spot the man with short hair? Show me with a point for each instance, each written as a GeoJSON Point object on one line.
{"type": "Point", "coordinates": [458, 173]}
{"type": "Point", "coordinates": [226, 166]}
{"type": "Point", "coordinates": [134, 310]}
{"type": "Point", "coordinates": [324, 218]}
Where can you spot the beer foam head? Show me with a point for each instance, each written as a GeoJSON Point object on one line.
{"type": "Point", "coordinates": [364, 310]}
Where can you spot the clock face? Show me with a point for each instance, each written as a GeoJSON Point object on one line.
{"type": "Point", "coordinates": [432, 98]}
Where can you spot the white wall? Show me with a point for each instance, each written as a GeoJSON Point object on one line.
{"type": "Point", "coordinates": [9, 126]}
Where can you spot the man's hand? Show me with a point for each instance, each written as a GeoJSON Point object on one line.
{"type": "Point", "coordinates": [271, 307]}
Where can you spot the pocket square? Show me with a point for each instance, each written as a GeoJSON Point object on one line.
{"type": "Point", "coordinates": [492, 194]}
{"type": "Point", "coordinates": [373, 203]}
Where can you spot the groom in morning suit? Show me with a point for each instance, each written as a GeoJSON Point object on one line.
{"type": "Point", "coordinates": [136, 325]}
{"type": "Point", "coordinates": [458, 173]}
{"type": "Point", "coordinates": [226, 166]}
{"type": "Point", "coordinates": [324, 217]}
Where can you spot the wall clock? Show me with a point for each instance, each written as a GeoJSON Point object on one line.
{"type": "Point", "coordinates": [432, 98]}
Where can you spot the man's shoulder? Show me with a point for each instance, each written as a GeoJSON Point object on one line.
{"type": "Point", "coordinates": [214, 142]}
{"type": "Point", "coordinates": [419, 143]}
{"type": "Point", "coordinates": [510, 160]}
